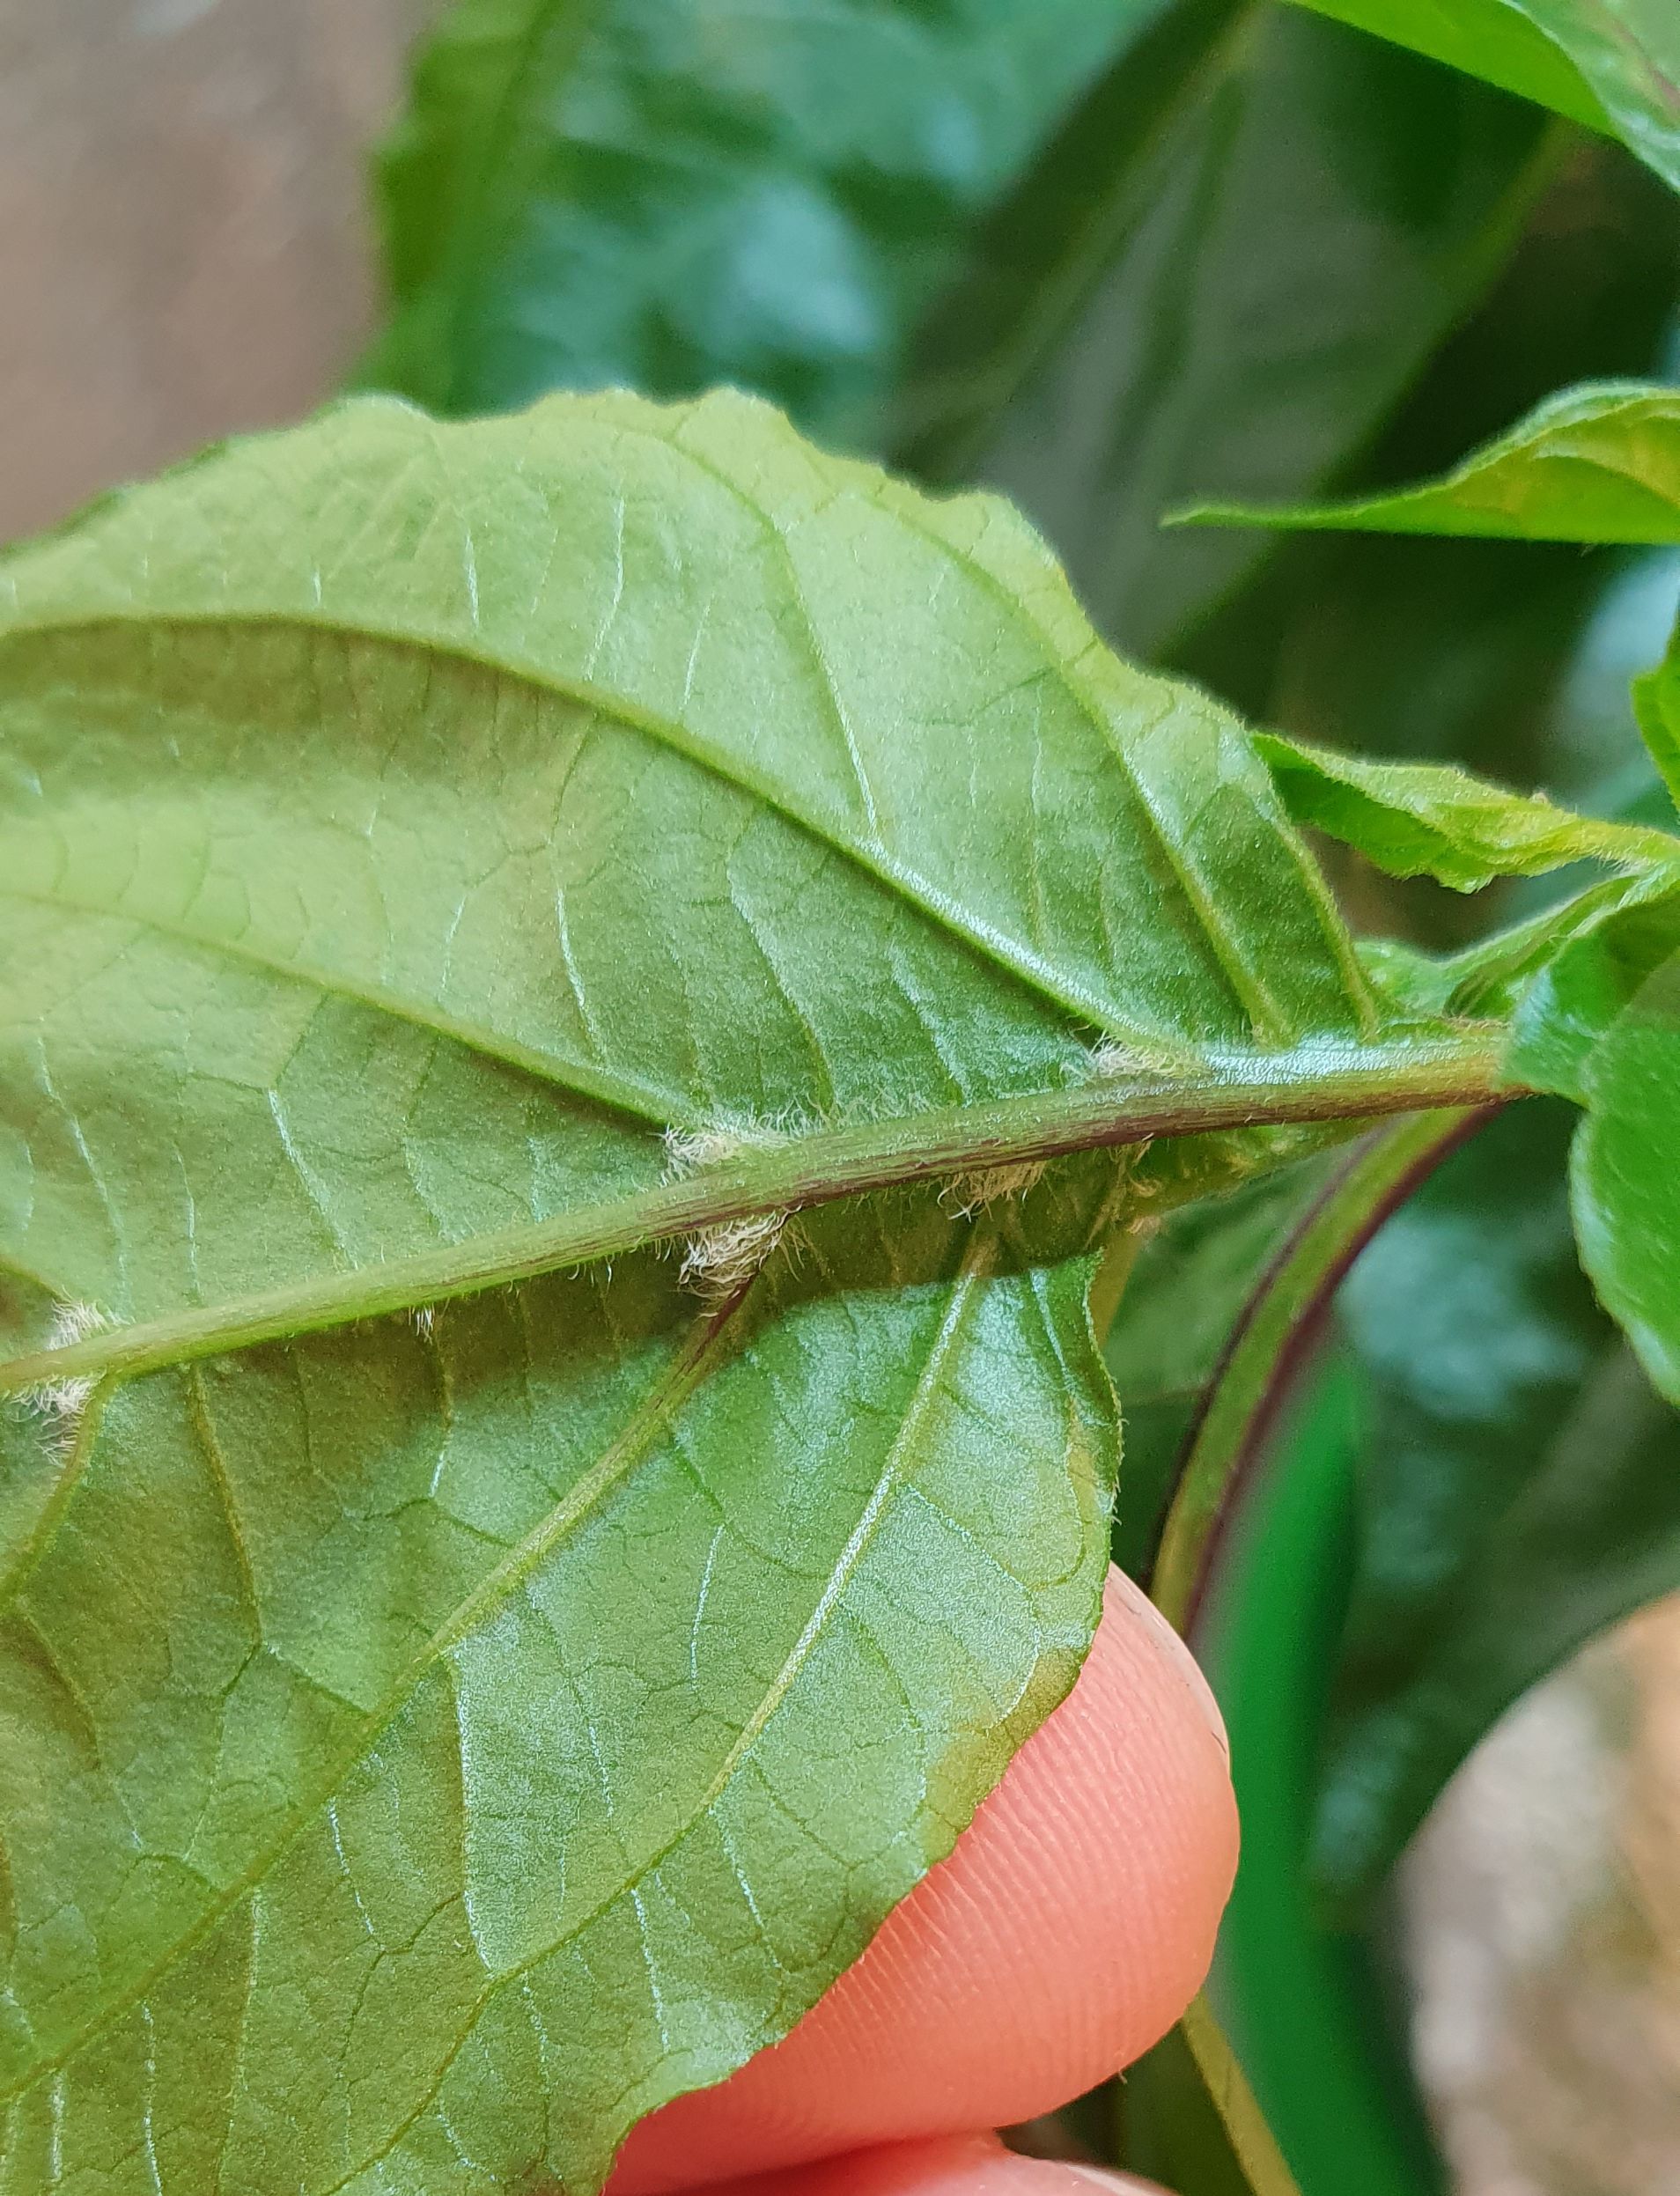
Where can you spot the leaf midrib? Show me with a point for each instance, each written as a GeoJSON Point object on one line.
{"type": "Point", "coordinates": [1457, 1066]}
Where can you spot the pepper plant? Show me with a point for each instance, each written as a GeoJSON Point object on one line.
{"type": "Point", "coordinates": [609, 1007]}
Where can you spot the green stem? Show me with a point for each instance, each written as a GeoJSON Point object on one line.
{"type": "Point", "coordinates": [1312, 1083]}
{"type": "Point", "coordinates": [1253, 2144]}
{"type": "Point", "coordinates": [1278, 1318]}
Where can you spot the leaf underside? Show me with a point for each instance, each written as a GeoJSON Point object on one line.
{"type": "Point", "coordinates": [424, 1734]}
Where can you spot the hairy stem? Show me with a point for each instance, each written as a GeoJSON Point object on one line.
{"type": "Point", "coordinates": [1313, 1084]}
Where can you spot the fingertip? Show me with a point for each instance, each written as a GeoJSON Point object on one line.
{"type": "Point", "coordinates": [963, 2165]}
{"type": "Point", "coordinates": [1067, 1932]}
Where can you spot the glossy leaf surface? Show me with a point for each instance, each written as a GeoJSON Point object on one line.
{"type": "Point", "coordinates": [672, 195]}
{"type": "Point", "coordinates": [1519, 1486]}
{"type": "Point", "coordinates": [1613, 63]}
{"type": "Point", "coordinates": [1318, 212]}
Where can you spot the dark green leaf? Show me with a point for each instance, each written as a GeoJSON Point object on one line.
{"type": "Point", "coordinates": [1194, 1271]}
{"type": "Point", "coordinates": [1516, 665]}
{"type": "Point", "coordinates": [1519, 1485]}
{"type": "Point", "coordinates": [672, 192]}
{"type": "Point", "coordinates": [1317, 219]}
{"type": "Point", "coordinates": [1600, 463]}
{"type": "Point", "coordinates": [1236, 1413]}
{"type": "Point", "coordinates": [1031, 267]}
{"type": "Point", "coordinates": [1614, 63]}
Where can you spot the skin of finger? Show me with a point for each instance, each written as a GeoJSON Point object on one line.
{"type": "Point", "coordinates": [963, 2165]}
{"type": "Point", "coordinates": [1065, 1933]}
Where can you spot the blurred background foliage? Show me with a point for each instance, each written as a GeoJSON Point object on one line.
{"type": "Point", "coordinates": [1109, 256]}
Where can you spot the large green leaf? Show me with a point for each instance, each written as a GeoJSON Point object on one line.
{"type": "Point", "coordinates": [1260, 274]}
{"type": "Point", "coordinates": [1600, 463]}
{"type": "Point", "coordinates": [453, 1703]}
{"type": "Point", "coordinates": [422, 1746]}
{"type": "Point", "coordinates": [1029, 269]}
{"type": "Point", "coordinates": [1613, 63]}
{"type": "Point", "coordinates": [671, 193]}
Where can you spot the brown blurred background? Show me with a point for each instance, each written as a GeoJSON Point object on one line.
{"type": "Point", "coordinates": [183, 247]}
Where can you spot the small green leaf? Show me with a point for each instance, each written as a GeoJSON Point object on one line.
{"type": "Point", "coordinates": [1627, 1188]}
{"type": "Point", "coordinates": [1657, 706]}
{"type": "Point", "coordinates": [1600, 463]}
{"type": "Point", "coordinates": [1426, 819]}
{"type": "Point", "coordinates": [1589, 969]}
{"type": "Point", "coordinates": [1612, 63]}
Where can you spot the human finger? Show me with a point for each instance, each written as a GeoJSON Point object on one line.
{"type": "Point", "coordinates": [1067, 1930]}
{"type": "Point", "coordinates": [959, 2165]}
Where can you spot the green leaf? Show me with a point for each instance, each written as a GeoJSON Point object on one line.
{"type": "Point", "coordinates": [458, 1703]}
{"type": "Point", "coordinates": [1053, 237]}
{"type": "Point", "coordinates": [1515, 666]}
{"type": "Point", "coordinates": [480, 1689]}
{"type": "Point", "coordinates": [1656, 708]}
{"type": "Point", "coordinates": [1613, 63]}
{"type": "Point", "coordinates": [1519, 1489]}
{"type": "Point", "coordinates": [1588, 971]}
{"type": "Point", "coordinates": [1598, 463]}
{"type": "Point", "coordinates": [1626, 1192]}
{"type": "Point", "coordinates": [1424, 819]}
{"type": "Point", "coordinates": [692, 191]}
{"type": "Point", "coordinates": [1315, 213]}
